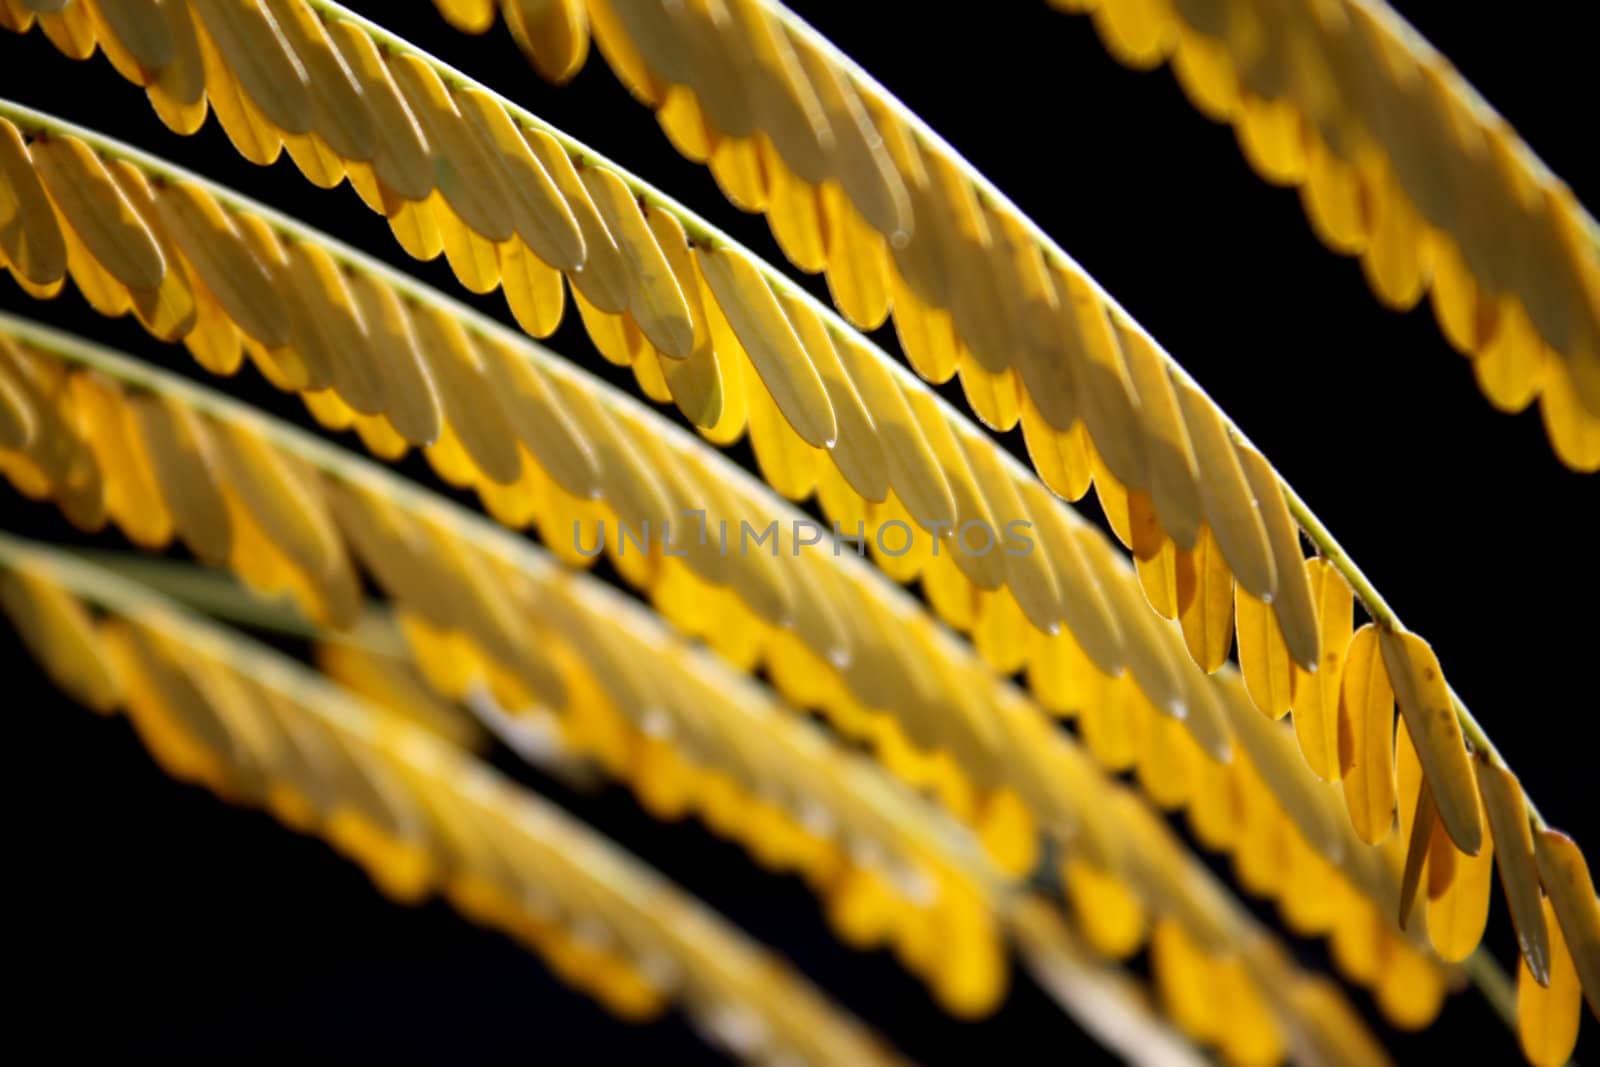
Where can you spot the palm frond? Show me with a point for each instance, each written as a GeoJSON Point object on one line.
{"type": "Point", "coordinates": [420, 815]}
{"type": "Point", "coordinates": [369, 658]}
{"type": "Point", "coordinates": [507, 600]}
{"type": "Point", "coordinates": [1399, 161]}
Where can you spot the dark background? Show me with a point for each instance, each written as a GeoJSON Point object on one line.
{"type": "Point", "coordinates": [147, 917]}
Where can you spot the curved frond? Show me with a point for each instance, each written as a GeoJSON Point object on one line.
{"type": "Point", "coordinates": [418, 814]}
{"type": "Point", "coordinates": [1399, 161]}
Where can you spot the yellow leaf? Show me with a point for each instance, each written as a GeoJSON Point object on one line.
{"type": "Point", "coordinates": [1366, 738]}
{"type": "Point", "coordinates": [1548, 1016]}
{"type": "Point", "coordinates": [1316, 695]}
{"type": "Point", "coordinates": [58, 631]}
{"type": "Point", "coordinates": [1519, 876]}
{"type": "Point", "coordinates": [1205, 592]}
{"type": "Point", "coordinates": [1566, 880]}
{"type": "Point", "coordinates": [1426, 705]}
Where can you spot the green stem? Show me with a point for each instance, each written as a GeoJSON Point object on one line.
{"type": "Point", "coordinates": [220, 596]}
{"type": "Point", "coordinates": [1493, 983]}
{"type": "Point", "coordinates": [1382, 614]}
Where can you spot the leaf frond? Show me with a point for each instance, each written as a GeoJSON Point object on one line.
{"type": "Point", "coordinates": [420, 815]}
{"type": "Point", "coordinates": [1400, 162]}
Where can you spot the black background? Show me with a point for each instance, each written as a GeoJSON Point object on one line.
{"type": "Point", "coordinates": [147, 917]}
